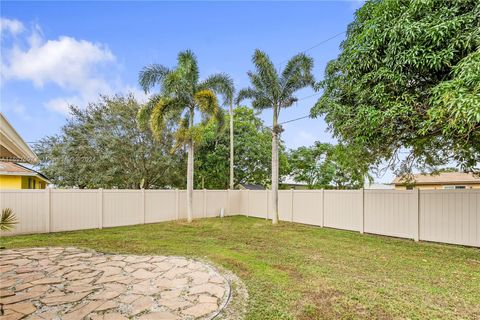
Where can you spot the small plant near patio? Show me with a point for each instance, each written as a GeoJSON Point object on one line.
{"type": "Point", "coordinates": [8, 220]}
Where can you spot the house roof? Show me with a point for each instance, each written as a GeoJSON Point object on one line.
{"type": "Point", "coordinates": [288, 180]}
{"type": "Point", "coordinates": [441, 178]}
{"type": "Point", "coordinates": [377, 186]}
{"type": "Point", "coordinates": [15, 169]}
{"type": "Point", "coordinates": [12, 146]}
{"type": "Point", "coordinates": [249, 186]}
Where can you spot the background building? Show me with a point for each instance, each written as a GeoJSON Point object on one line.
{"type": "Point", "coordinates": [443, 180]}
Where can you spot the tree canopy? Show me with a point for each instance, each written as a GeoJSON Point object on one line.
{"type": "Point", "coordinates": [253, 152]}
{"type": "Point", "coordinates": [327, 166]}
{"type": "Point", "coordinates": [408, 81]}
{"type": "Point", "coordinates": [102, 146]}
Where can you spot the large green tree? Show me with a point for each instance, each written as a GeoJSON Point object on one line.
{"type": "Point", "coordinates": [253, 153]}
{"type": "Point", "coordinates": [276, 90]}
{"type": "Point", "coordinates": [182, 93]}
{"type": "Point", "coordinates": [102, 146]}
{"type": "Point", "coordinates": [406, 86]}
{"type": "Point", "coordinates": [327, 166]}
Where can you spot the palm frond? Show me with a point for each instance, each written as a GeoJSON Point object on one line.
{"type": "Point", "coordinates": [143, 117]}
{"type": "Point", "coordinates": [247, 93]}
{"type": "Point", "coordinates": [266, 72]}
{"type": "Point", "coordinates": [207, 101]}
{"type": "Point", "coordinates": [163, 110]}
{"type": "Point", "coordinates": [188, 67]}
{"type": "Point", "coordinates": [220, 83]}
{"type": "Point", "coordinates": [152, 75]}
{"type": "Point", "coordinates": [8, 220]}
{"type": "Point", "coordinates": [297, 75]}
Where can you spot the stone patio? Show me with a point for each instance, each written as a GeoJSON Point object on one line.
{"type": "Point", "coordinates": [70, 283]}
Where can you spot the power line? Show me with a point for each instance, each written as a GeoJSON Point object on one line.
{"type": "Point", "coordinates": [317, 45]}
{"type": "Point", "coordinates": [292, 120]}
{"type": "Point", "coordinates": [318, 93]}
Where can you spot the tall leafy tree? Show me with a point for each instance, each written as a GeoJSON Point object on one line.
{"type": "Point", "coordinates": [276, 90]}
{"type": "Point", "coordinates": [252, 153]}
{"type": "Point", "coordinates": [406, 86]}
{"type": "Point", "coordinates": [102, 146]}
{"type": "Point", "coordinates": [328, 166]}
{"type": "Point", "coordinates": [182, 93]}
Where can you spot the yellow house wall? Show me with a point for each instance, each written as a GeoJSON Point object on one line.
{"type": "Point", "coordinates": [20, 182]}
{"type": "Point", "coordinates": [10, 182]}
{"type": "Point", "coordinates": [440, 186]}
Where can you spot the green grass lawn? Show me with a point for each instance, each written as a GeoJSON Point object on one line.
{"type": "Point", "coordinates": [300, 272]}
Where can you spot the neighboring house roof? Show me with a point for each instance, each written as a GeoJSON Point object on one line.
{"type": "Point", "coordinates": [15, 169]}
{"type": "Point", "coordinates": [249, 186]}
{"type": "Point", "coordinates": [292, 182]}
{"type": "Point", "coordinates": [12, 146]}
{"type": "Point", "coordinates": [379, 186]}
{"type": "Point", "coordinates": [441, 178]}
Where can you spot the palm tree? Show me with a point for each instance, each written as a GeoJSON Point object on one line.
{"type": "Point", "coordinates": [181, 94]}
{"type": "Point", "coordinates": [228, 92]}
{"type": "Point", "coordinates": [272, 89]}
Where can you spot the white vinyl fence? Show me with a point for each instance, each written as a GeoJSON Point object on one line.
{"type": "Point", "coordinates": [449, 216]}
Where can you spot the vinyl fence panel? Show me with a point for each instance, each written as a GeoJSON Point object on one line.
{"type": "Point", "coordinates": [343, 209]}
{"type": "Point", "coordinates": [258, 201]}
{"type": "Point", "coordinates": [74, 209]}
{"type": "Point", "coordinates": [29, 207]}
{"type": "Point", "coordinates": [216, 200]}
{"type": "Point", "coordinates": [160, 205]}
{"type": "Point", "coordinates": [451, 216]}
{"type": "Point", "coordinates": [308, 207]}
{"type": "Point", "coordinates": [391, 212]}
{"type": "Point", "coordinates": [122, 208]}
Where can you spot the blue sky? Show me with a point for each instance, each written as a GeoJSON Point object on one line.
{"type": "Point", "coordinates": [56, 53]}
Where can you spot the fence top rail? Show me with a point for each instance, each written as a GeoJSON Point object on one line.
{"type": "Point", "coordinates": [343, 191]}
{"type": "Point", "coordinates": [23, 190]}
{"type": "Point", "coordinates": [429, 191]}
{"type": "Point", "coordinates": [389, 191]}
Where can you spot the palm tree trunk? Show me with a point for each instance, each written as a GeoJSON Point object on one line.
{"type": "Point", "coordinates": [275, 167]}
{"type": "Point", "coordinates": [231, 146]}
{"type": "Point", "coordinates": [190, 173]}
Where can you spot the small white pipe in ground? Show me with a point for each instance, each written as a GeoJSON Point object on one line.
{"type": "Point", "coordinates": [222, 212]}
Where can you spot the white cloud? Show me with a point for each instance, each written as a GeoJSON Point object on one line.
{"type": "Point", "coordinates": [62, 104]}
{"type": "Point", "coordinates": [81, 69]}
{"type": "Point", "coordinates": [10, 26]}
{"type": "Point", "coordinates": [66, 62]}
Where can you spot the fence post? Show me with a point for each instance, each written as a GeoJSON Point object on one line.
{"type": "Point", "coordinates": [266, 216]}
{"type": "Point", "coordinates": [142, 207]}
{"type": "Point", "coordinates": [416, 221]}
{"type": "Point", "coordinates": [362, 224]}
{"type": "Point", "coordinates": [248, 202]}
{"type": "Point", "coordinates": [291, 209]}
{"type": "Point", "coordinates": [228, 203]}
{"type": "Point", "coordinates": [177, 206]}
{"type": "Point", "coordinates": [205, 203]}
{"type": "Point", "coordinates": [323, 209]}
{"type": "Point", "coordinates": [100, 208]}
{"type": "Point", "coordinates": [48, 210]}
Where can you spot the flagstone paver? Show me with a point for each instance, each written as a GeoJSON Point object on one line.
{"type": "Point", "coordinates": [70, 283]}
